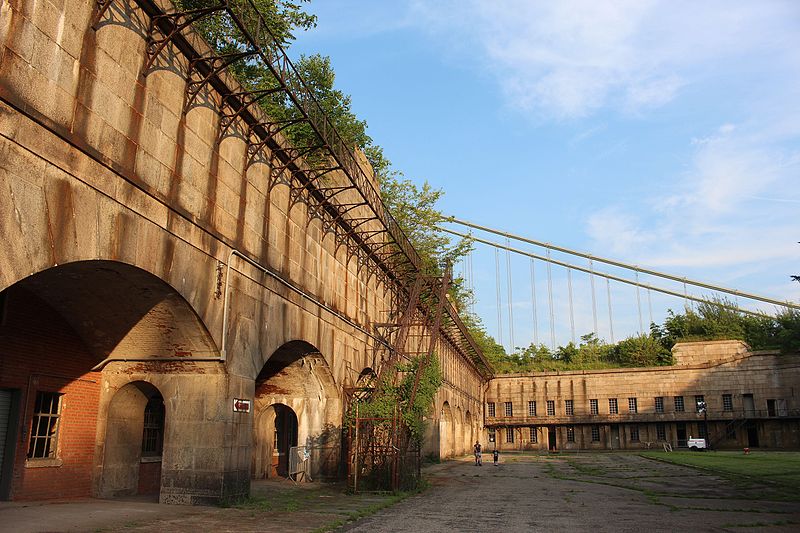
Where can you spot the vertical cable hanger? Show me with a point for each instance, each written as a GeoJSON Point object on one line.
{"type": "Point", "coordinates": [571, 309]}
{"type": "Point", "coordinates": [550, 301]}
{"type": "Point", "coordinates": [610, 317]}
{"type": "Point", "coordinates": [499, 308]}
{"type": "Point", "coordinates": [594, 298]}
{"type": "Point", "coordinates": [533, 301]}
{"type": "Point", "coordinates": [510, 299]}
{"type": "Point", "coordinates": [639, 304]}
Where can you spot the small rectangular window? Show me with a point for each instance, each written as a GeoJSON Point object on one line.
{"type": "Point", "coordinates": [661, 432]}
{"type": "Point", "coordinates": [509, 409]}
{"type": "Point", "coordinates": [678, 404]}
{"type": "Point", "coordinates": [612, 406]}
{"type": "Point", "coordinates": [534, 434]}
{"type": "Point", "coordinates": [531, 408]}
{"type": "Point", "coordinates": [595, 433]}
{"type": "Point", "coordinates": [44, 426]}
{"type": "Point", "coordinates": [659, 404]}
{"type": "Point", "coordinates": [551, 408]}
{"type": "Point", "coordinates": [727, 402]}
{"type": "Point", "coordinates": [593, 407]}
{"type": "Point", "coordinates": [568, 408]}
{"type": "Point", "coordinates": [570, 434]}
{"type": "Point", "coordinates": [509, 434]}
{"type": "Point", "coordinates": [634, 433]}
{"type": "Point", "coordinates": [632, 405]}
{"type": "Point", "coordinates": [490, 405]}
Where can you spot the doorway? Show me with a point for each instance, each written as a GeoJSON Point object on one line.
{"type": "Point", "coordinates": [551, 438]}
{"type": "Point", "coordinates": [752, 435]}
{"type": "Point", "coordinates": [284, 438]}
{"type": "Point", "coordinates": [680, 430]}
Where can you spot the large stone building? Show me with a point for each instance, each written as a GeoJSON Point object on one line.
{"type": "Point", "coordinates": [722, 390]}
{"type": "Point", "coordinates": [183, 300]}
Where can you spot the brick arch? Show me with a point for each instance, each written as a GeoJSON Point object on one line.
{"type": "Point", "coordinates": [297, 375]}
{"type": "Point", "coordinates": [120, 311]}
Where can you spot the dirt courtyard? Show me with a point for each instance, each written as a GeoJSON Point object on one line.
{"type": "Point", "coordinates": [582, 492]}
{"type": "Point", "coordinates": [586, 492]}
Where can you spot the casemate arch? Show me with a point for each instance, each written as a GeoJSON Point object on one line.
{"type": "Point", "coordinates": [102, 351]}
{"type": "Point", "coordinates": [296, 382]}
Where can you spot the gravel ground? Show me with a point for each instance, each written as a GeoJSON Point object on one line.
{"type": "Point", "coordinates": [588, 492]}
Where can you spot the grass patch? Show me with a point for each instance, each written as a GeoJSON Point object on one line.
{"type": "Point", "coordinates": [776, 468]}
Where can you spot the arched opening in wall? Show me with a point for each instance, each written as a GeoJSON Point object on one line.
{"type": "Point", "coordinates": [135, 442]}
{"type": "Point", "coordinates": [57, 330]}
{"type": "Point", "coordinates": [469, 432]}
{"type": "Point", "coordinates": [458, 432]}
{"type": "Point", "coordinates": [278, 422]}
{"type": "Point", "coordinates": [446, 432]}
{"type": "Point", "coordinates": [297, 378]}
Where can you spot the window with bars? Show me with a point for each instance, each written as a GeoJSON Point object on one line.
{"type": "Point", "coordinates": [44, 426]}
{"type": "Point", "coordinates": [632, 405]}
{"type": "Point", "coordinates": [531, 408]}
{"type": "Point", "coordinates": [595, 433]}
{"type": "Point", "coordinates": [613, 408]}
{"type": "Point", "coordinates": [727, 402]}
{"type": "Point", "coordinates": [659, 404]}
{"type": "Point", "coordinates": [569, 409]}
{"type": "Point", "coordinates": [490, 407]}
{"type": "Point", "coordinates": [593, 407]}
{"type": "Point", "coordinates": [510, 435]}
{"type": "Point", "coordinates": [634, 430]}
{"type": "Point", "coordinates": [570, 434]}
{"type": "Point", "coordinates": [551, 408]}
{"type": "Point", "coordinates": [678, 404]}
{"type": "Point", "coordinates": [153, 433]}
{"type": "Point", "coordinates": [509, 407]}
{"type": "Point", "coordinates": [661, 432]}
{"type": "Point", "coordinates": [534, 434]}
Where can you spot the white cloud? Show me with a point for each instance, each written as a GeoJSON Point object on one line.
{"type": "Point", "coordinates": [569, 58]}
{"type": "Point", "coordinates": [735, 205]}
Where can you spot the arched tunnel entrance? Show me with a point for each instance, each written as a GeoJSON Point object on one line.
{"type": "Point", "coordinates": [64, 423]}
{"type": "Point", "coordinates": [296, 404]}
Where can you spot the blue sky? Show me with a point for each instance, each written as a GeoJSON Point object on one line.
{"type": "Point", "coordinates": [664, 134]}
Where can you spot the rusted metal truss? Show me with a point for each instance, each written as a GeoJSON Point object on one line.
{"type": "Point", "coordinates": [363, 226]}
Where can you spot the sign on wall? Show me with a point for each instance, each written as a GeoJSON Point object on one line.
{"type": "Point", "coordinates": [241, 406]}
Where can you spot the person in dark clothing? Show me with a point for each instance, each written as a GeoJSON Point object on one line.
{"type": "Point", "coordinates": [496, 456]}
{"type": "Point", "coordinates": [477, 451]}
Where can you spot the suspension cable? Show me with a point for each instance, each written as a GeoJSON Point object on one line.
{"type": "Point", "coordinates": [606, 275]}
{"type": "Point", "coordinates": [627, 266]}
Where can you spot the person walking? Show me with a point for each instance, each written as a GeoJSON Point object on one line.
{"type": "Point", "coordinates": [496, 456]}
{"type": "Point", "coordinates": [477, 451]}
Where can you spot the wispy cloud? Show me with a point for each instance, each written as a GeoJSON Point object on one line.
{"type": "Point", "coordinates": [570, 58]}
